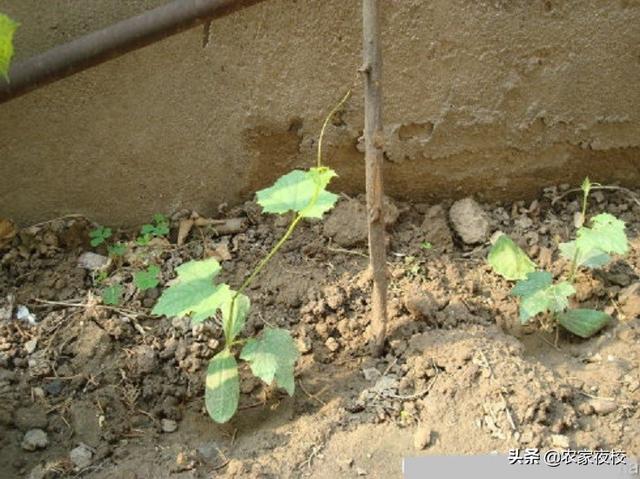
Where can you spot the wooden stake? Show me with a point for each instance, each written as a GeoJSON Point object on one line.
{"type": "Point", "coordinates": [373, 136]}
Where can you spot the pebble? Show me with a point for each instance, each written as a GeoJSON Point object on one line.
{"type": "Point", "coordinates": [92, 261]}
{"type": "Point", "coordinates": [168, 425]}
{"type": "Point", "coordinates": [602, 406]}
{"type": "Point", "coordinates": [30, 346]}
{"type": "Point", "coordinates": [54, 387]}
{"type": "Point", "coordinates": [35, 439]}
{"type": "Point", "coordinates": [422, 438]}
{"type": "Point", "coordinates": [332, 345]}
{"type": "Point", "coordinates": [304, 344]}
{"type": "Point", "coordinates": [81, 456]}
{"type": "Point", "coordinates": [371, 374]}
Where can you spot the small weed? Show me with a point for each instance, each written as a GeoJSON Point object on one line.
{"type": "Point", "coordinates": [157, 228]}
{"type": "Point", "coordinates": [426, 245]}
{"type": "Point", "coordinates": [99, 235]}
{"type": "Point", "coordinates": [112, 295]}
{"type": "Point", "coordinates": [147, 279]}
{"type": "Point", "coordinates": [538, 294]}
{"type": "Point", "coordinates": [101, 277]}
{"type": "Point", "coordinates": [117, 249]}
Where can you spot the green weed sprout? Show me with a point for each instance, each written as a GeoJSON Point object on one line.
{"type": "Point", "coordinates": [99, 235]}
{"type": "Point", "coordinates": [111, 295]}
{"type": "Point", "coordinates": [273, 354]}
{"type": "Point", "coordinates": [592, 249]}
{"type": "Point", "coordinates": [157, 228]}
{"type": "Point", "coordinates": [117, 249]}
{"type": "Point", "coordinates": [147, 279]}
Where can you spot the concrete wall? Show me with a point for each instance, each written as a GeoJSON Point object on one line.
{"type": "Point", "coordinates": [497, 98]}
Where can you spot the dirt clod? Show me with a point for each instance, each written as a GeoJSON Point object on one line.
{"type": "Point", "coordinates": [35, 439]}
{"type": "Point", "coordinates": [422, 437]}
{"type": "Point", "coordinates": [81, 456]}
{"type": "Point", "coordinates": [469, 221]}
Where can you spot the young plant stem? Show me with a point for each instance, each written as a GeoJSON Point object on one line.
{"type": "Point", "coordinates": [324, 126]}
{"type": "Point", "coordinates": [290, 229]}
{"type": "Point", "coordinates": [583, 217]}
{"type": "Point", "coordinates": [373, 136]}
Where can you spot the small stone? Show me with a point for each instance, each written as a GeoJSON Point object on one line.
{"type": "Point", "coordinates": [332, 345]}
{"type": "Point", "coordinates": [585, 409]}
{"type": "Point", "coordinates": [23, 314]}
{"type": "Point", "coordinates": [168, 425]}
{"type": "Point", "coordinates": [371, 374]}
{"type": "Point", "coordinates": [469, 221]}
{"type": "Point", "coordinates": [81, 456]}
{"type": "Point", "coordinates": [603, 407]}
{"type": "Point", "coordinates": [35, 439]}
{"type": "Point", "coordinates": [360, 471]}
{"type": "Point", "coordinates": [560, 440]}
{"type": "Point", "coordinates": [92, 261]}
{"type": "Point", "coordinates": [304, 344]}
{"type": "Point", "coordinates": [30, 346]}
{"type": "Point", "coordinates": [54, 387]}
{"type": "Point", "coordinates": [422, 438]}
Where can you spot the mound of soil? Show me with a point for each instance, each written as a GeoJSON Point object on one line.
{"type": "Point", "coordinates": [88, 390]}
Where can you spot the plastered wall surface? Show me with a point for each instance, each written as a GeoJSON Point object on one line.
{"type": "Point", "coordinates": [493, 98]}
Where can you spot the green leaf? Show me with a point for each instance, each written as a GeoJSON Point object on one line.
{"type": "Point", "coordinates": [160, 227]}
{"type": "Point", "coordinates": [117, 249]}
{"type": "Point", "coordinates": [111, 295]}
{"type": "Point", "coordinates": [193, 292]}
{"type": "Point", "coordinates": [99, 235]}
{"type": "Point", "coordinates": [143, 240]}
{"type": "Point", "coordinates": [583, 322]}
{"type": "Point", "coordinates": [300, 191]}
{"type": "Point", "coordinates": [606, 234]}
{"type": "Point", "coordinates": [509, 261]}
{"type": "Point", "coordinates": [534, 282]}
{"type": "Point", "coordinates": [538, 294]}
{"type": "Point", "coordinates": [426, 245]}
{"type": "Point", "coordinates": [160, 219]}
{"type": "Point", "coordinates": [147, 279]}
{"type": "Point", "coordinates": [241, 308]}
{"type": "Point", "coordinates": [7, 30]}
{"type": "Point", "coordinates": [272, 356]}
{"type": "Point", "coordinates": [222, 390]}
{"type": "Point", "coordinates": [593, 258]}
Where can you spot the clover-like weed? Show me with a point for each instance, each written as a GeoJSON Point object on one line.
{"type": "Point", "coordinates": [99, 235]}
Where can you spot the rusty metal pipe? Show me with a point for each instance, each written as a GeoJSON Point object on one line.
{"type": "Point", "coordinates": [113, 41]}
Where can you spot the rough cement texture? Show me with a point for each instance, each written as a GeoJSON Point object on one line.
{"type": "Point", "coordinates": [490, 98]}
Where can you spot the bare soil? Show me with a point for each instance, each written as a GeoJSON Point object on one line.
{"type": "Point", "coordinates": [460, 374]}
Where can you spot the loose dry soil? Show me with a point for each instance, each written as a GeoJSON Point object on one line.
{"type": "Point", "coordinates": [460, 375]}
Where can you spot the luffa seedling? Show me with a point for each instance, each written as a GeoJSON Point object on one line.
{"type": "Point", "coordinates": [273, 354]}
{"type": "Point", "coordinates": [592, 248]}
